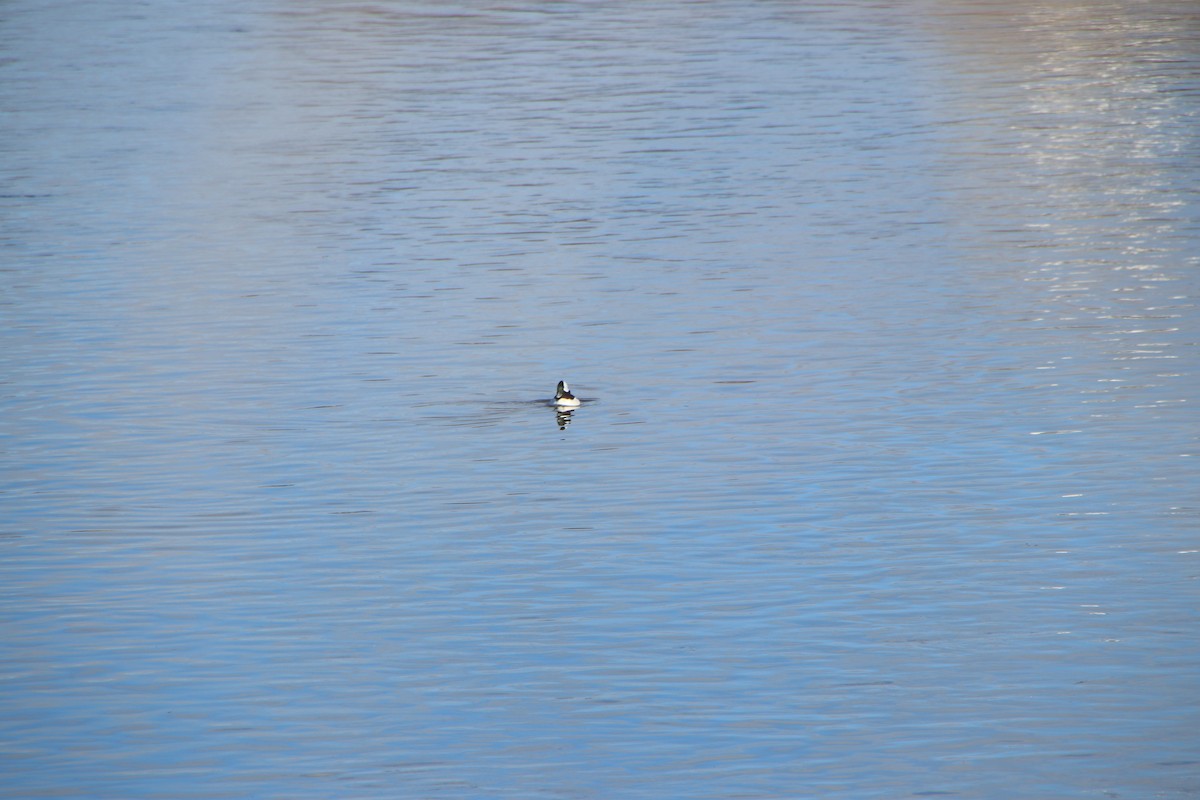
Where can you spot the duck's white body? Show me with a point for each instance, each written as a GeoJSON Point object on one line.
{"type": "Point", "coordinates": [563, 397]}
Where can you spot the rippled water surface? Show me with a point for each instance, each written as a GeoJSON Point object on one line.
{"type": "Point", "coordinates": [885, 320]}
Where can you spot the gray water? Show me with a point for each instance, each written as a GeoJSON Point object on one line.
{"type": "Point", "coordinates": [884, 315]}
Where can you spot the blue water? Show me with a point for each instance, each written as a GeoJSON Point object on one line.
{"type": "Point", "coordinates": [885, 320]}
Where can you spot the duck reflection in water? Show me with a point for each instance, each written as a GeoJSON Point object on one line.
{"type": "Point", "coordinates": [563, 417]}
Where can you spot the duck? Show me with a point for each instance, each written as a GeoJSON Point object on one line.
{"type": "Point", "coordinates": [563, 397]}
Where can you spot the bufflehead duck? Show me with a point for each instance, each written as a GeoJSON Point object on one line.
{"type": "Point", "coordinates": [563, 397]}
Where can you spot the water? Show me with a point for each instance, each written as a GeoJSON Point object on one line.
{"type": "Point", "coordinates": [885, 319]}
